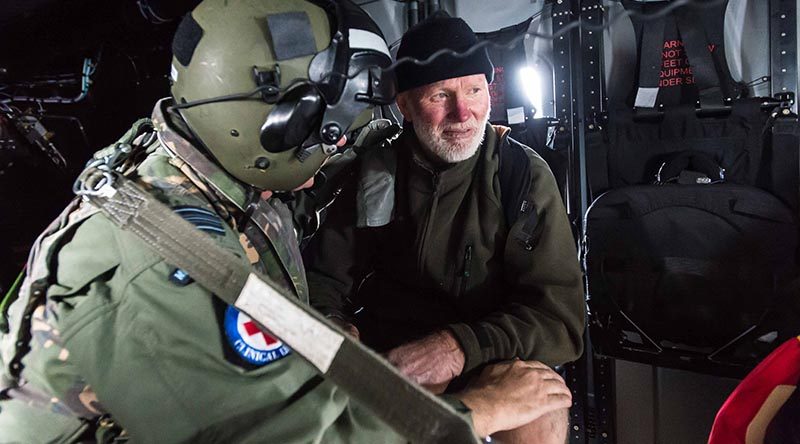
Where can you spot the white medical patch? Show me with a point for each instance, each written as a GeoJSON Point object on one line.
{"type": "Point", "coordinates": [314, 340]}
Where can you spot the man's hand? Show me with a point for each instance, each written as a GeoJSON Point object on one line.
{"type": "Point", "coordinates": [432, 361]}
{"type": "Point", "coordinates": [514, 393]}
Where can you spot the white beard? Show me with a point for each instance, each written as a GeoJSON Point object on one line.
{"type": "Point", "coordinates": [447, 150]}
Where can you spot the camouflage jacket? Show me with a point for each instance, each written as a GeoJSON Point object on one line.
{"type": "Point", "coordinates": [105, 332]}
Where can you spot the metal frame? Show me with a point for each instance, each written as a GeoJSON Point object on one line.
{"type": "Point", "coordinates": [576, 373]}
{"type": "Point", "coordinates": [565, 97]}
{"type": "Point", "coordinates": [783, 47]}
{"type": "Point", "coordinates": [579, 103]}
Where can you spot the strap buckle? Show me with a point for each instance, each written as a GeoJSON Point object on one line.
{"type": "Point", "coordinates": [97, 179]}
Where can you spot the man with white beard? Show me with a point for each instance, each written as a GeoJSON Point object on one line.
{"type": "Point", "coordinates": [450, 249]}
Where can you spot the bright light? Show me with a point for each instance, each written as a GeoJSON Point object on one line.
{"type": "Point", "coordinates": [532, 85]}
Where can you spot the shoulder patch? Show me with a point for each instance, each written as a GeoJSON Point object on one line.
{"type": "Point", "coordinates": [249, 342]}
{"type": "Point", "coordinates": [203, 219]}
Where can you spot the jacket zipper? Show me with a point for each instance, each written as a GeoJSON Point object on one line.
{"type": "Point", "coordinates": [431, 215]}
{"type": "Point", "coordinates": [467, 267]}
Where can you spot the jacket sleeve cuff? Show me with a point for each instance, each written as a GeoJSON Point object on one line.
{"type": "Point", "coordinates": [459, 407]}
{"type": "Point", "coordinates": [469, 345]}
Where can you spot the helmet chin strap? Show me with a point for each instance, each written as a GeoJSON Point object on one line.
{"type": "Point", "coordinates": [178, 147]}
{"type": "Point", "coordinates": [263, 89]}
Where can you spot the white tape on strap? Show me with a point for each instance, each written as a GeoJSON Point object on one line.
{"type": "Point", "coordinates": [646, 98]}
{"type": "Point", "coordinates": [310, 337]}
{"type": "Point", "coordinates": [362, 39]}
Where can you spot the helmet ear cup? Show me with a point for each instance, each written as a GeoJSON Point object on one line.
{"type": "Point", "coordinates": [293, 119]}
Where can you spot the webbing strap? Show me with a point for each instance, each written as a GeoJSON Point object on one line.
{"type": "Point", "coordinates": [650, 63]}
{"type": "Point", "coordinates": [707, 75]}
{"type": "Point", "coordinates": [785, 137]}
{"type": "Point", "coordinates": [361, 373]}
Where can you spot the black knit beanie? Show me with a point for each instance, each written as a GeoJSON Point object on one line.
{"type": "Point", "coordinates": [437, 32]}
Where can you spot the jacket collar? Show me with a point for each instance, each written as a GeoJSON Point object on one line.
{"type": "Point", "coordinates": [181, 149]}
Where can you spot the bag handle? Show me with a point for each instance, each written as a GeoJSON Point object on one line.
{"type": "Point", "coordinates": [671, 169]}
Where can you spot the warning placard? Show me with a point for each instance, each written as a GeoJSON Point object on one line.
{"type": "Point", "coordinates": [675, 68]}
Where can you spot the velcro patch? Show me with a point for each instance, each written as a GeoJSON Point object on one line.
{"type": "Point", "coordinates": [291, 35]}
{"type": "Point", "coordinates": [187, 37]}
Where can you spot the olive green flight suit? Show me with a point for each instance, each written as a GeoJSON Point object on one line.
{"type": "Point", "coordinates": [118, 336]}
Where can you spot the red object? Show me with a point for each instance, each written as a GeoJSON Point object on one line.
{"type": "Point", "coordinates": [252, 329]}
{"type": "Point", "coordinates": [747, 412]}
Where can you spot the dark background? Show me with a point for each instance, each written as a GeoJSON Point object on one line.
{"type": "Point", "coordinates": [43, 47]}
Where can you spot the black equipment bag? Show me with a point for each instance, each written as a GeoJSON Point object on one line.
{"type": "Point", "coordinates": [693, 233]}
{"type": "Point", "coordinates": [684, 275]}
{"type": "Point", "coordinates": [678, 270]}
{"type": "Point", "coordinates": [640, 144]}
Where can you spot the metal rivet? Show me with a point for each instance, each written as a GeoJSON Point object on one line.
{"type": "Point", "coordinates": [783, 69]}
{"type": "Point", "coordinates": [262, 163]}
{"type": "Point", "coordinates": [783, 34]}
{"type": "Point", "coordinates": [783, 16]}
{"type": "Point", "coordinates": [331, 133]}
{"type": "Point", "coordinates": [234, 133]}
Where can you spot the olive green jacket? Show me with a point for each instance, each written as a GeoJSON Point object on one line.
{"type": "Point", "coordinates": [117, 331]}
{"type": "Point", "coordinates": [448, 259]}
